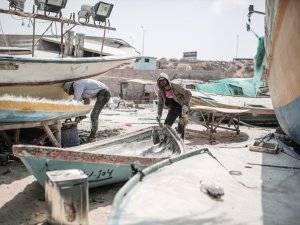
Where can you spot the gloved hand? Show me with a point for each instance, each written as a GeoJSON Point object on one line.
{"type": "Point", "coordinates": [158, 118]}
{"type": "Point", "coordinates": [86, 101]}
{"type": "Point", "coordinates": [185, 109]}
{"type": "Point", "coordinates": [79, 118]}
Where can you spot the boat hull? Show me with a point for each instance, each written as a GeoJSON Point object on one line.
{"type": "Point", "coordinates": [283, 51]}
{"type": "Point", "coordinates": [98, 174]}
{"type": "Point", "coordinates": [46, 77]}
{"type": "Point", "coordinates": [189, 191]}
{"type": "Point", "coordinates": [101, 166]}
{"type": "Point", "coordinates": [288, 117]}
{"type": "Point", "coordinates": [21, 110]}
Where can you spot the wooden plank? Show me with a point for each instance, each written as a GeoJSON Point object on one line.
{"type": "Point", "coordinates": [39, 139]}
{"type": "Point", "coordinates": [50, 135]}
{"type": "Point", "coordinates": [220, 110]}
{"type": "Point", "coordinates": [58, 131]}
{"type": "Point", "coordinates": [17, 136]}
{"type": "Point", "coordinates": [14, 126]}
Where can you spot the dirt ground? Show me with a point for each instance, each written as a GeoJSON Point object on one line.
{"type": "Point", "coordinates": [22, 199]}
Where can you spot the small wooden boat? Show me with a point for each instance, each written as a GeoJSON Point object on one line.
{"type": "Point", "coordinates": [21, 110]}
{"type": "Point", "coordinates": [105, 162]}
{"type": "Point", "coordinates": [229, 185]}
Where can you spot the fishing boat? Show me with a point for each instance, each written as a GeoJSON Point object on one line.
{"type": "Point", "coordinates": [283, 55]}
{"type": "Point", "coordinates": [23, 110]}
{"type": "Point", "coordinates": [38, 65]}
{"type": "Point", "coordinates": [260, 109]}
{"type": "Point", "coordinates": [222, 185]}
{"type": "Point", "coordinates": [105, 162]}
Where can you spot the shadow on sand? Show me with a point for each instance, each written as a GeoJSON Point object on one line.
{"type": "Point", "coordinates": [198, 137]}
{"type": "Point", "coordinates": [14, 170]}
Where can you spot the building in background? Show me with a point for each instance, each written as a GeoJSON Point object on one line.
{"type": "Point", "coordinates": [190, 55]}
{"type": "Point", "coordinates": [145, 63]}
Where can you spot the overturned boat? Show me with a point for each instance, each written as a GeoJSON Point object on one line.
{"type": "Point", "coordinates": [105, 162]}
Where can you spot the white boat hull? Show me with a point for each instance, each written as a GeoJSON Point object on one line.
{"type": "Point", "coordinates": [45, 77]}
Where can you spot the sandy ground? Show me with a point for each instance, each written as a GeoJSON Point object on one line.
{"type": "Point", "coordinates": [22, 199]}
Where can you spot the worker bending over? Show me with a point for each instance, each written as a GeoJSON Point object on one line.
{"type": "Point", "coordinates": [87, 89]}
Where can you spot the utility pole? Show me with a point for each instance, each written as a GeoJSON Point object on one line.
{"type": "Point", "coordinates": [143, 40]}
{"type": "Point", "coordinates": [237, 46]}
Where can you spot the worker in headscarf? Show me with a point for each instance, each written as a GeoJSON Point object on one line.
{"type": "Point", "coordinates": [176, 98]}
{"type": "Point", "coordinates": [88, 89]}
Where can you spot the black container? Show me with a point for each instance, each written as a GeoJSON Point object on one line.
{"type": "Point", "coordinates": [69, 137]}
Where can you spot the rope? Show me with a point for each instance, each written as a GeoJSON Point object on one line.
{"type": "Point", "coordinates": [215, 158]}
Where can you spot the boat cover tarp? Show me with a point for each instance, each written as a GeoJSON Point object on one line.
{"type": "Point", "coordinates": [240, 86]}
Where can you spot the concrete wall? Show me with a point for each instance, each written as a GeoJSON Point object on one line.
{"type": "Point", "coordinates": [114, 77]}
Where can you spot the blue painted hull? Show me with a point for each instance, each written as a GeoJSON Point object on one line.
{"type": "Point", "coordinates": [288, 117]}
{"type": "Point", "coordinates": [97, 160]}
{"type": "Point", "coordinates": [21, 110]}
{"type": "Point", "coordinates": [98, 174]}
{"type": "Point", "coordinates": [9, 116]}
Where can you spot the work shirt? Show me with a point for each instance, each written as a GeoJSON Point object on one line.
{"type": "Point", "coordinates": [169, 93]}
{"type": "Point", "coordinates": [87, 88]}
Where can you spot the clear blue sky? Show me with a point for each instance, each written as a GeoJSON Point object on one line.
{"type": "Point", "coordinates": [213, 28]}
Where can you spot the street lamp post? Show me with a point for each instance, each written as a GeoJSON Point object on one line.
{"type": "Point", "coordinates": [237, 46]}
{"type": "Point", "coordinates": [143, 40]}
